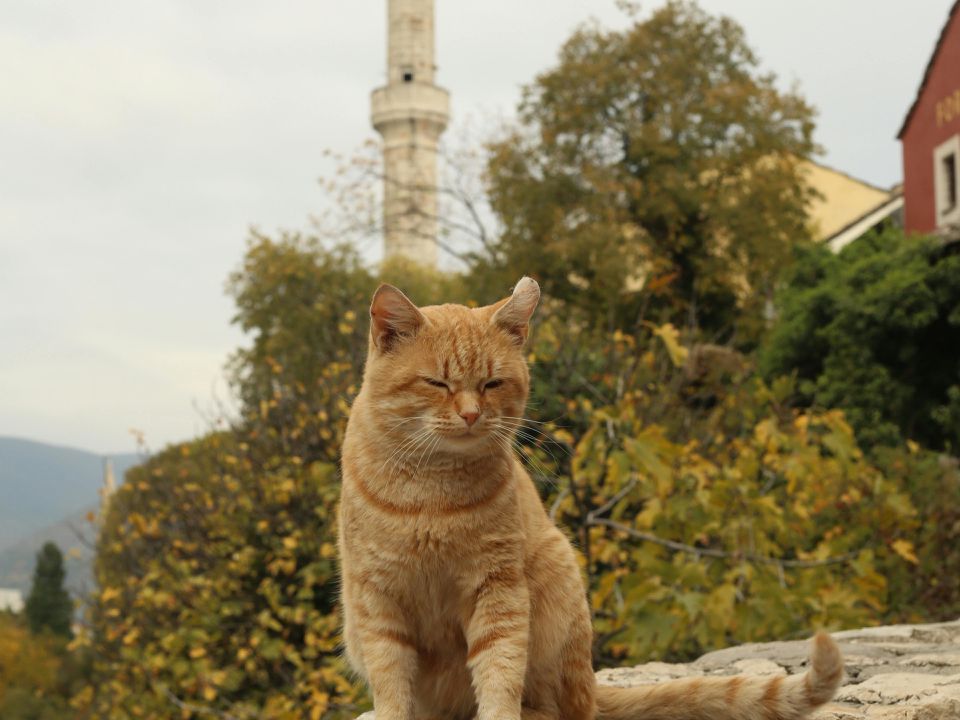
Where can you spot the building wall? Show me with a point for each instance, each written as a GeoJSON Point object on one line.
{"type": "Point", "coordinates": [10, 600]}
{"type": "Point", "coordinates": [842, 201]}
{"type": "Point", "coordinates": [935, 119]}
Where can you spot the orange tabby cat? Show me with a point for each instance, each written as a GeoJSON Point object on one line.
{"type": "Point", "coordinates": [460, 596]}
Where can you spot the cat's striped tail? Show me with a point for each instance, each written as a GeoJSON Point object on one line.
{"type": "Point", "coordinates": [740, 697]}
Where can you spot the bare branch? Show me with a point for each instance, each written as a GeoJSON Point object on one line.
{"type": "Point", "coordinates": [200, 710]}
{"type": "Point", "coordinates": [608, 506]}
{"type": "Point", "coordinates": [713, 552]}
{"type": "Point", "coordinates": [555, 507]}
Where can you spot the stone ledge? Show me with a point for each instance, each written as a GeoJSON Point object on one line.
{"type": "Point", "coordinates": [898, 672]}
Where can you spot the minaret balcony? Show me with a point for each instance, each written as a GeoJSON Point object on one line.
{"type": "Point", "coordinates": [410, 101]}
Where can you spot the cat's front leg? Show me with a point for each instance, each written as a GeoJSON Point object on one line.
{"type": "Point", "coordinates": [389, 653]}
{"type": "Point", "coordinates": [497, 636]}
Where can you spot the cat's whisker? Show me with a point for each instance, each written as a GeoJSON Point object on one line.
{"type": "Point", "coordinates": [404, 421]}
{"type": "Point", "coordinates": [524, 419]}
{"type": "Point", "coordinates": [433, 449]}
{"type": "Point", "coordinates": [504, 444]}
{"type": "Point", "coordinates": [422, 441]}
{"type": "Point", "coordinates": [531, 460]}
{"type": "Point", "coordinates": [400, 450]}
{"type": "Point", "coordinates": [533, 436]}
{"type": "Point", "coordinates": [533, 440]}
{"type": "Point", "coordinates": [427, 446]}
{"type": "Point", "coordinates": [519, 424]}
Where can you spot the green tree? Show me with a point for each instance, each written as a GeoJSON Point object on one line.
{"type": "Point", "coordinates": [49, 606]}
{"type": "Point", "coordinates": [874, 330]}
{"type": "Point", "coordinates": [299, 302]}
{"type": "Point", "coordinates": [655, 175]}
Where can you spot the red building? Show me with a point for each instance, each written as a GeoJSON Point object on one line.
{"type": "Point", "coordinates": [930, 137]}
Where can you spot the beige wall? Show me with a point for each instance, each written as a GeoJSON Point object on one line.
{"type": "Point", "coordinates": [845, 199]}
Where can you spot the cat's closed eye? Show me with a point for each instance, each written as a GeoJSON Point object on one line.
{"type": "Point", "coordinates": [491, 384]}
{"type": "Point", "coordinates": [437, 383]}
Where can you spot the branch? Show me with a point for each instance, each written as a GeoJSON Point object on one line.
{"type": "Point", "coordinates": [200, 710]}
{"type": "Point", "coordinates": [555, 507]}
{"type": "Point", "coordinates": [608, 506]}
{"type": "Point", "coordinates": [713, 552]}
{"type": "Point", "coordinates": [81, 538]}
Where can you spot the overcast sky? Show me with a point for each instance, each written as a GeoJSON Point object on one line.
{"type": "Point", "coordinates": [140, 140]}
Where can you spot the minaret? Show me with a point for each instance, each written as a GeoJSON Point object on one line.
{"type": "Point", "coordinates": [411, 113]}
{"type": "Point", "coordinates": [109, 485]}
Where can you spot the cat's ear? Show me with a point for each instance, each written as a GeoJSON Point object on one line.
{"type": "Point", "coordinates": [515, 312]}
{"type": "Point", "coordinates": [393, 318]}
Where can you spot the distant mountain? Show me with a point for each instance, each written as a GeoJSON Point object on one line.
{"type": "Point", "coordinates": [74, 535]}
{"type": "Point", "coordinates": [42, 488]}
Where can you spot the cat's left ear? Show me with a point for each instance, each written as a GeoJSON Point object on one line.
{"type": "Point", "coordinates": [393, 318]}
{"type": "Point", "coordinates": [514, 315]}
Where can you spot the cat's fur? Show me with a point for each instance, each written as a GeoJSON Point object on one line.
{"type": "Point", "coordinates": [460, 596]}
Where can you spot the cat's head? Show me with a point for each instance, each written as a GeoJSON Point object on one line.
{"type": "Point", "coordinates": [447, 376]}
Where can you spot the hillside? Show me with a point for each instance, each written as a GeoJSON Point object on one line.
{"type": "Point", "coordinates": [44, 489]}
{"type": "Point", "coordinates": [74, 535]}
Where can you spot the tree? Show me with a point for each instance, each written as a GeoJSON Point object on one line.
{"type": "Point", "coordinates": [874, 330]}
{"type": "Point", "coordinates": [299, 302]}
{"type": "Point", "coordinates": [49, 606]}
{"type": "Point", "coordinates": [710, 512]}
{"type": "Point", "coordinates": [30, 669]}
{"type": "Point", "coordinates": [217, 587]}
{"type": "Point", "coordinates": [655, 172]}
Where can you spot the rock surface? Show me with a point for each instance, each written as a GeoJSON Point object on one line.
{"type": "Point", "coordinates": [898, 672]}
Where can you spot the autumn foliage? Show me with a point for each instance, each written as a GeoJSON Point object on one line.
{"type": "Point", "coordinates": [707, 509]}
{"type": "Point", "coordinates": [712, 504]}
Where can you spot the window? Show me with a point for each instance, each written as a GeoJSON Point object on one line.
{"type": "Point", "coordinates": [408, 75]}
{"type": "Point", "coordinates": [946, 182]}
{"type": "Point", "coordinates": [950, 175]}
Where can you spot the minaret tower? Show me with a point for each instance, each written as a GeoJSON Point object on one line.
{"type": "Point", "coordinates": [109, 486]}
{"type": "Point", "coordinates": [411, 113]}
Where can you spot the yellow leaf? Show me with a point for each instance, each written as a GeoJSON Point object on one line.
{"type": "Point", "coordinates": [197, 652]}
{"type": "Point", "coordinates": [671, 341]}
{"type": "Point", "coordinates": [904, 548]}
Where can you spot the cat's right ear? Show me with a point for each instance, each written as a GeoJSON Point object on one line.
{"type": "Point", "coordinates": [513, 314]}
{"type": "Point", "coordinates": [393, 318]}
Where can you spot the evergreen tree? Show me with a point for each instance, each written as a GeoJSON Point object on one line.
{"type": "Point", "coordinates": [49, 605]}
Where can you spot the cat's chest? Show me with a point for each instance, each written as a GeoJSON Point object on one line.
{"type": "Point", "coordinates": [430, 540]}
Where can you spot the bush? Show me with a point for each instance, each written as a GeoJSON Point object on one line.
{"type": "Point", "coordinates": [874, 331]}
{"type": "Point", "coordinates": [32, 680]}
{"type": "Point", "coordinates": [217, 585]}
{"type": "Point", "coordinates": [739, 520]}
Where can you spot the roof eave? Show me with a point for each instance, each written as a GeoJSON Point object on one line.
{"type": "Point", "coordinates": [929, 69]}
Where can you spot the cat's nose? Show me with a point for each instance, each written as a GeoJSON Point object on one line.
{"type": "Point", "coordinates": [470, 417]}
